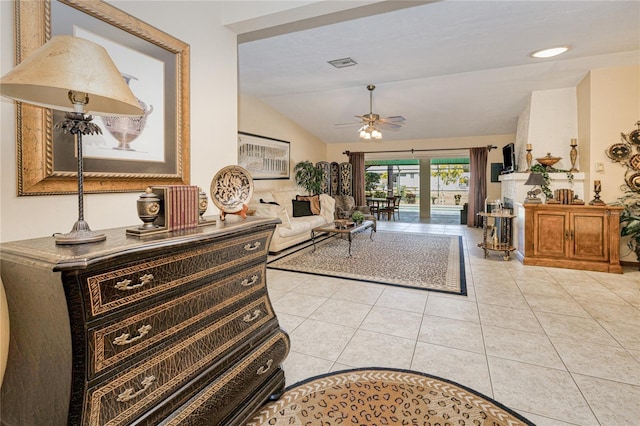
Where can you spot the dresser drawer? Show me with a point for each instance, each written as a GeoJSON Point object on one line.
{"type": "Point", "coordinates": [127, 285]}
{"type": "Point", "coordinates": [216, 402]}
{"type": "Point", "coordinates": [116, 342]}
{"type": "Point", "coordinates": [136, 390]}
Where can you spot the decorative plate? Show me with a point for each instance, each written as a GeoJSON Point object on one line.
{"type": "Point", "coordinates": [231, 189]}
{"type": "Point", "coordinates": [619, 151]}
{"type": "Point", "coordinates": [634, 137]}
{"type": "Point", "coordinates": [633, 181]}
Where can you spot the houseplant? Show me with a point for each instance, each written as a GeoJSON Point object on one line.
{"type": "Point", "coordinates": [309, 177]}
{"type": "Point", "coordinates": [630, 220]}
{"type": "Point", "coordinates": [357, 217]}
{"type": "Point", "coordinates": [457, 198]}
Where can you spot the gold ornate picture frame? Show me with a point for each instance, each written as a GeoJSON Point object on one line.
{"type": "Point", "coordinates": [45, 158]}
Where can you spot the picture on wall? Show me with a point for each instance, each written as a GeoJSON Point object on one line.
{"type": "Point", "coordinates": [132, 153]}
{"type": "Point", "coordinates": [263, 157]}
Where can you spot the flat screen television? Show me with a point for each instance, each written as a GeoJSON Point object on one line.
{"type": "Point", "coordinates": [508, 158]}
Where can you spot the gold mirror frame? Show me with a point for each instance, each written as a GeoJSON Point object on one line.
{"type": "Point", "coordinates": [34, 135]}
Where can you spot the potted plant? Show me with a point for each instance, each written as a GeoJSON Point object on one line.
{"type": "Point", "coordinates": [433, 199]}
{"type": "Point", "coordinates": [410, 197]}
{"type": "Point", "coordinates": [630, 220]}
{"type": "Point", "coordinates": [457, 198]}
{"type": "Point", "coordinates": [357, 217]}
{"type": "Point", "coordinates": [309, 177]}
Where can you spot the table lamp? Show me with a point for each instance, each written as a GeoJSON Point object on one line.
{"type": "Point", "coordinates": [534, 179]}
{"type": "Point", "coordinates": [73, 75]}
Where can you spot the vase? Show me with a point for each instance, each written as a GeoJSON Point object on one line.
{"type": "Point", "coordinates": [127, 129]}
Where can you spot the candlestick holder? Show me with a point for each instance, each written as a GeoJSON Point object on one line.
{"type": "Point", "coordinates": [529, 158]}
{"type": "Point", "coordinates": [596, 198]}
{"type": "Point", "coordinates": [573, 155]}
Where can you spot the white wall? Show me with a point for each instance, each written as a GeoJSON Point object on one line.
{"type": "Point", "coordinates": [553, 122]}
{"type": "Point", "coordinates": [256, 117]}
{"type": "Point", "coordinates": [213, 109]}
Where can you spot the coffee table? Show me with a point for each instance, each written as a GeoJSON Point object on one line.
{"type": "Point", "coordinates": [330, 228]}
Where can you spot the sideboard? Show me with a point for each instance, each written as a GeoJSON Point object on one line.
{"type": "Point", "coordinates": [173, 329]}
{"type": "Point", "coordinates": [573, 236]}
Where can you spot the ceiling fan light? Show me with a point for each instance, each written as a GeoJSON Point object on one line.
{"type": "Point", "coordinates": [376, 134]}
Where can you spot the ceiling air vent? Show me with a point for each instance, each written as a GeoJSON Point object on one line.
{"type": "Point", "coordinates": [343, 63]}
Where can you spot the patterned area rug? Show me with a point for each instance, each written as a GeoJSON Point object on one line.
{"type": "Point", "coordinates": [383, 397]}
{"type": "Point", "coordinates": [420, 261]}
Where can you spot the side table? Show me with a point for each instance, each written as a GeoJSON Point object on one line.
{"type": "Point", "coordinates": [497, 233]}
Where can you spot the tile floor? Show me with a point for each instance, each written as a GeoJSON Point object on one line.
{"type": "Point", "coordinates": [559, 346]}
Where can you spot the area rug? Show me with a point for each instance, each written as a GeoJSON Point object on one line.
{"type": "Point", "coordinates": [375, 397]}
{"type": "Point", "coordinates": [420, 261]}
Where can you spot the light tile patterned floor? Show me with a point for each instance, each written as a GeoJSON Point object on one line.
{"type": "Point", "coordinates": [560, 346]}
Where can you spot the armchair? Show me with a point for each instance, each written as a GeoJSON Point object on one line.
{"type": "Point", "coordinates": [346, 205]}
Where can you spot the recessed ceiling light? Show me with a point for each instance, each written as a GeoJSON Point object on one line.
{"type": "Point", "coordinates": [343, 63]}
{"type": "Point", "coordinates": [548, 53]}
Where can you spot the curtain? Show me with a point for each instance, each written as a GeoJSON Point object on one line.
{"type": "Point", "coordinates": [477, 185]}
{"type": "Point", "coordinates": [357, 163]}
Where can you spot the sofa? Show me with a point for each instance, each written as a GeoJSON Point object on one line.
{"type": "Point", "coordinates": [292, 230]}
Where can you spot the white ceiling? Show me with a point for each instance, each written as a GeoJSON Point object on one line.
{"type": "Point", "coordinates": [451, 68]}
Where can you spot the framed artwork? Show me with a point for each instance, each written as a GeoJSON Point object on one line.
{"type": "Point", "coordinates": [496, 169]}
{"type": "Point", "coordinates": [156, 67]}
{"type": "Point", "coordinates": [263, 157]}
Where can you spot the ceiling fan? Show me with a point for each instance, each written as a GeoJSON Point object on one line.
{"type": "Point", "coordinates": [372, 123]}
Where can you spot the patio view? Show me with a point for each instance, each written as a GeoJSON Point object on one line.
{"type": "Point", "coordinates": [448, 189]}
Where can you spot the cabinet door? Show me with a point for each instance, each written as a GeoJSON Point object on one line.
{"type": "Point", "coordinates": [549, 234]}
{"type": "Point", "coordinates": [589, 236]}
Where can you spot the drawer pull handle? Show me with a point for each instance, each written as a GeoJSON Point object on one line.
{"type": "Point", "coordinates": [124, 339]}
{"type": "Point", "coordinates": [129, 394]}
{"type": "Point", "coordinates": [246, 282]}
{"type": "Point", "coordinates": [252, 316]}
{"type": "Point", "coordinates": [265, 368]}
{"type": "Point", "coordinates": [126, 284]}
{"type": "Point", "coordinates": [252, 247]}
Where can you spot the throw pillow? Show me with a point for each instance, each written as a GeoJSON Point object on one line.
{"type": "Point", "coordinates": [313, 199]}
{"type": "Point", "coordinates": [301, 208]}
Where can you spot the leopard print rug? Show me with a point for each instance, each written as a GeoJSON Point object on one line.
{"type": "Point", "coordinates": [420, 261]}
{"type": "Point", "coordinates": [372, 397]}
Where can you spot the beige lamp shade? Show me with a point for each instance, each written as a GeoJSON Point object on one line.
{"type": "Point", "coordinates": [67, 63]}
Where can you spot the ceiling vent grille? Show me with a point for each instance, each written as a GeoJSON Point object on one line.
{"type": "Point", "coordinates": [343, 63]}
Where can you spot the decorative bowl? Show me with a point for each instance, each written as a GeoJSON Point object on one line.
{"type": "Point", "coordinates": [548, 161]}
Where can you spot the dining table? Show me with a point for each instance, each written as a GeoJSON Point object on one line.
{"type": "Point", "coordinates": [376, 204]}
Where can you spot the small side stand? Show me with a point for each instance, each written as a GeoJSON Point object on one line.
{"type": "Point", "coordinates": [242, 213]}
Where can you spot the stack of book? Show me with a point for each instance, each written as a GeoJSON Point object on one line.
{"type": "Point", "coordinates": [178, 206]}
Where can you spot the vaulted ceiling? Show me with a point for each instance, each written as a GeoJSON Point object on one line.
{"type": "Point", "coordinates": [451, 68]}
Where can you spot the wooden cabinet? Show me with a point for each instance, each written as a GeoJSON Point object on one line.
{"type": "Point", "coordinates": [577, 237]}
{"type": "Point", "coordinates": [175, 329]}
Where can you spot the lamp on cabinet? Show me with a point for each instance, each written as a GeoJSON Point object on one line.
{"type": "Point", "coordinates": [73, 75]}
{"type": "Point", "coordinates": [534, 179]}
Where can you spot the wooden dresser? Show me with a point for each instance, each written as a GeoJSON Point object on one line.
{"type": "Point", "coordinates": [174, 329]}
{"type": "Point", "coordinates": [577, 237]}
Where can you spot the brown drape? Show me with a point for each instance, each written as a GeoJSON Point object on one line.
{"type": "Point", "coordinates": [357, 185]}
{"type": "Point", "coordinates": [477, 185]}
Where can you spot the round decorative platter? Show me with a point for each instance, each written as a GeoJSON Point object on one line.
{"type": "Point", "coordinates": [231, 189]}
{"type": "Point", "coordinates": [633, 181]}
{"type": "Point", "coordinates": [619, 151]}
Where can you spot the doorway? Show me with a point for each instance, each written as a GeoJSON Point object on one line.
{"type": "Point", "coordinates": [447, 191]}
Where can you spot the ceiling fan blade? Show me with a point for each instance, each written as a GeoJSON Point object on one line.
{"type": "Point", "coordinates": [388, 126]}
{"type": "Point", "coordinates": [352, 124]}
{"type": "Point", "coordinates": [393, 119]}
